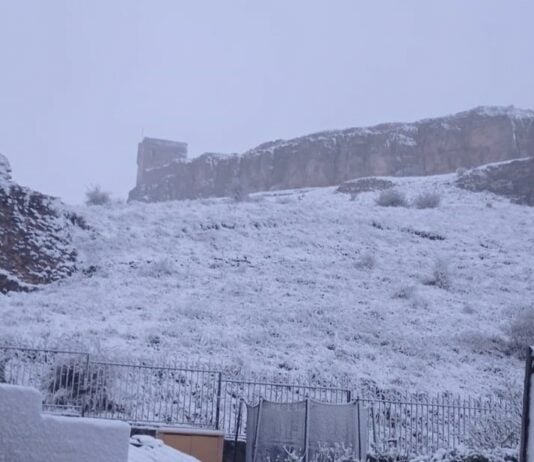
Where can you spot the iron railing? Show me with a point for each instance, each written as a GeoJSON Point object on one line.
{"type": "Point", "coordinates": [422, 425]}
{"type": "Point", "coordinates": [74, 383]}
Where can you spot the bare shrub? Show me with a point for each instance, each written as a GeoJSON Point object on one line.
{"type": "Point", "coordinates": [96, 196]}
{"type": "Point", "coordinates": [521, 331]}
{"type": "Point", "coordinates": [392, 198]}
{"type": "Point", "coordinates": [427, 200]}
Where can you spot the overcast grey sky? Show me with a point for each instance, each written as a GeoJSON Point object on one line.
{"type": "Point", "coordinates": [81, 81]}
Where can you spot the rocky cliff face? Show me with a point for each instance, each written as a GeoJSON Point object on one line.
{"type": "Point", "coordinates": [35, 239]}
{"type": "Point", "coordinates": [514, 179]}
{"type": "Point", "coordinates": [432, 146]}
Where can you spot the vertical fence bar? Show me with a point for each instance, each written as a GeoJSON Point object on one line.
{"type": "Point", "coordinates": [218, 410]}
{"type": "Point", "coordinates": [525, 424]}
{"type": "Point", "coordinates": [306, 429]}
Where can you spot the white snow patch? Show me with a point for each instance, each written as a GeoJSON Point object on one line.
{"type": "Point", "coordinates": [144, 448]}
{"type": "Point", "coordinates": [28, 436]}
{"type": "Point", "coordinates": [509, 111]}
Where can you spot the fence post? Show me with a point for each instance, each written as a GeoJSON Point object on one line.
{"type": "Point", "coordinates": [86, 383]}
{"type": "Point", "coordinates": [257, 432]}
{"type": "Point", "coordinates": [349, 396]}
{"type": "Point", "coordinates": [218, 409]}
{"type": "Point", "coordinates": [524, 456]}
{"type": "Point", "coordinates": [359, 430]}
{"type": "Point", "coordinates": [306, 429]}
{"type": "Point", "coordinates": [237, 427]}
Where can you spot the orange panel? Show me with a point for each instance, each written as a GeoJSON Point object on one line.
{"type": "Point", "coordinates": [179, 442]}
{"type": "Point", "coordinates": [206, 448]}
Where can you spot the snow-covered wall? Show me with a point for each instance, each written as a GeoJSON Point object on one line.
{"type": "Point", "coordinates": [28, 436]}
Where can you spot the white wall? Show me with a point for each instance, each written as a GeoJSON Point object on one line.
{"type": "Point", "coordinates": [28, 436]}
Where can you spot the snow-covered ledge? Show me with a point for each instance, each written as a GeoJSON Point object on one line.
{"type": "Point", "coordinates": [28, 436]}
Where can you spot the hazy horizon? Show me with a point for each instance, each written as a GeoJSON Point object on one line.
{"type": "Point", "coordinates": [82, 82]}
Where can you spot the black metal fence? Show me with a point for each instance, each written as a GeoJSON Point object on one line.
{"type": "Point", "coordinates": [75, 383]}
{"type": "Point", "coordinates": [526, 429]}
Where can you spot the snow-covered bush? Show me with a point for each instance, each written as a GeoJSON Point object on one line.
{"type": "Point", "coordinates": [405, 292]}
{"type": "Point", "coordinates": [392, 198]}
{"type": "Point", "coordinates": [96, 196]}
{"type": "Point", "coordinates": [367, 261]}
{"type": "Point", "coordinates": [239, 190]}
{"type": "Point", "coordinates": [77, 384]}
{"type": "Point", "coordinates": [427, 200]}
{"type": "Point", "coordinates": [336, 452]}
{"type": "Point", "coordinates": [467, 455]}
{"type": "Point", "coordinates": [496, 429]}
{"type": "Point", "coordinates": [160, 267]}
{"type": "Point", "coordinates": [520, 331]}
{"type": "Point", "coordinates": [441, 276]}
{"type": "Point", "coordinates": [411, 294]}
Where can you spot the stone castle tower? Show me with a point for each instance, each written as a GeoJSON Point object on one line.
{"type": "Point", "coordinates": [154, 153]}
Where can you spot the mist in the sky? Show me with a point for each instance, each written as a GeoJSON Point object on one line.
{"type": "Point", "coordinates": [82, 81]}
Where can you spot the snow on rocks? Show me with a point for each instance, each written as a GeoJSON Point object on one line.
{"type": "Point", "coordinates": [5, 168]}
{"type": "Point", "coordinates": [35, 236]}
{"type": "Point", "coordinates": [513, 179]}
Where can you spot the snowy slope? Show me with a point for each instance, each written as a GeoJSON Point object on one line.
{"type": "Point", "coordinates": [301, 282]}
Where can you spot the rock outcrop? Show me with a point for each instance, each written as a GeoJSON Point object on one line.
{"type": "Point", "coordinates": [355, 187]}
{"type": "Point", "coordinates": [513, 179]}
{"type": "Point", "coordinates": [433, 146]}
{"type": "Point", "coordinates": [35, 236]}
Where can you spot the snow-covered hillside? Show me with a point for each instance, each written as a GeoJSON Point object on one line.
{"type": "Point", "coordinates": [302, 282]}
